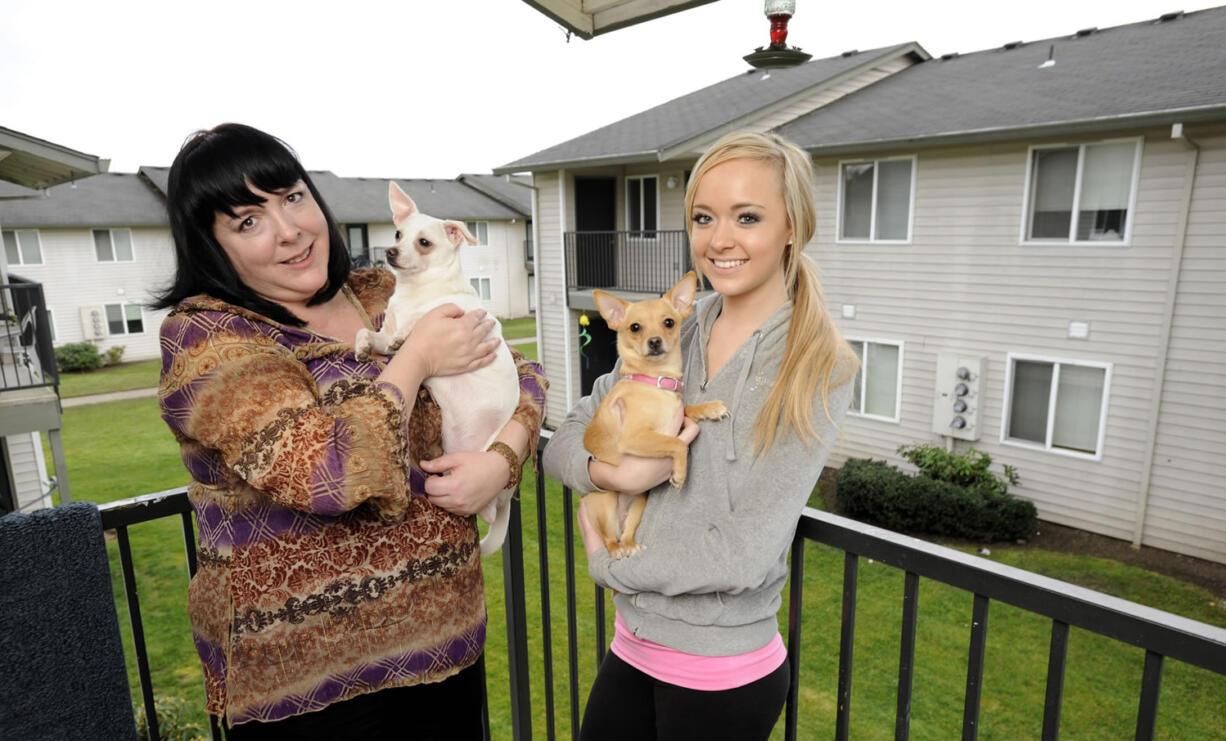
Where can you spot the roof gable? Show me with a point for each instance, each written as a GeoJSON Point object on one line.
{"type": "Point", "coordinates": [1153, 71]}
{"type": "Point", "coordinates": [644, 136]}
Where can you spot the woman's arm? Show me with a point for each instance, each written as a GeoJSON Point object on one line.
{"type": "Point", "coordinates": [475, 478]}
{"type": "Point", "coordinates": [736, 549]}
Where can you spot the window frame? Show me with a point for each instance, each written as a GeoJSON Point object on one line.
{"type": "Point", "coordinates": [482, 280]}
{"type": "Point", "coordinates": [1028, 196]}
{"type": "Point", "coordinates": [123, 307]}
{"type": "Point", "coordinates": [365, 232]}
{"type": "Point", "coordinates": [51, 324]}
{"type": "Point", "coordinates": [872, 229]}
{"type": "Point", "coordinates": [639, 231]}
{"type": "Point", "coordinates": [111, 235]}
{"type": "Point", "coordinates": [1047, 447]}
{"type": "Point", "coordinates": [474, 228]}
{"type": "Point", "coordinates": [42, 260]}
{"type": "Point", "coordinates": [861, 373]}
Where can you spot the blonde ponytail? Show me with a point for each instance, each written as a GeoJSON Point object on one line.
{"type": "Point", "coordinates": [816, 359]}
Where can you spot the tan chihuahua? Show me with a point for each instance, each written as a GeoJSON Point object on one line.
{"type": "Point", "coordinates": [643, 403]}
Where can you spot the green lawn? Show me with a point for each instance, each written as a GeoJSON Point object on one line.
{"type": "Point", "coordinates": [123, 377]}
{"type": "Point", "coordinates": [121, 449]}
{"type": "Point", "coordinates": [513, 329]}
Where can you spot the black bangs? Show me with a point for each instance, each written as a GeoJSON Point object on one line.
{"type": "Point", "coordinates": [226, 162]}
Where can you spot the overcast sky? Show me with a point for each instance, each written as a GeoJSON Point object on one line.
{"type": "Point", "coordinates": [417, 88]}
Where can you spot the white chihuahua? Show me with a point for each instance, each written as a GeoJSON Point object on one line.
{"type": "Point", "coordinates": [477, 404]}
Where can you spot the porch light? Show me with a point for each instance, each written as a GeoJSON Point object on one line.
{"type": "Point", "coordinates": [778, 54]}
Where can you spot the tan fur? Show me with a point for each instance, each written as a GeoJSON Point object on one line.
{"type": "Point", "coordinates": [631, 418]}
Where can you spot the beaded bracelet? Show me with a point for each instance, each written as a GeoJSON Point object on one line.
{"type": "Point", "coordinates": [505, 451]}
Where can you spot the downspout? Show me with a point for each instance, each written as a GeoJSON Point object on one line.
{"type": "Point", "coordinates": [1168, 318]}
{"type": "Point", "coordinates": [566, 333]}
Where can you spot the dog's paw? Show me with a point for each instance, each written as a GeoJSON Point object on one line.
{"type": "Point", "coordinates": [719, 410]}
{"type": "Point", "coordinates": [395, 344]}
{"type": "Point", "coordinates": [362, 345]}
{"type": "Point", "coordinates": [619, 552]}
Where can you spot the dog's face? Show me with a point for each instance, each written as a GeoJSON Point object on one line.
{"type": "Point", "coordinates": [423, 243]}
{"type": "Point", "coordinates": [649, 332]}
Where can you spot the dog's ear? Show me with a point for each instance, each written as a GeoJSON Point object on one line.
{"type": "Point", "coordinates": [456, 232]}
{"type": "Point", "coordinates": [612, 308]}
{"type": "Point", "coordinates": [681, 296]}
{"type": "Point", "coordinates": [402, 206]}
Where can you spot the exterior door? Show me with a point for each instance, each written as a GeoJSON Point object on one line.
{"type": "Point", "coordinates": [596, 223]}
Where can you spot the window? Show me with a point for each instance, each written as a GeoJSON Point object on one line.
{"type": "Point", "coordinates": [355, 234]}
{"type": "Point", "coordinates": [23, 247]}
{"type": "Point", "coordinates": [480, 230]}
{"type": "Point", "coordinates": [641, 205]}
{"type": "Point", "coordinates": [113, 245]}
{"type": "Point", "coordinates": [1058, 405]}
{"type": "Point", "coordinates": [1081, 193]}
{"type": "Point", "coordinates": [877, 384]}
{"type": "Point", "coordinates": [51, 324]}
{"type": "Point", "coordinates": [482, 287]}
{"type": "Point", "coordinates": [124, 319]}
{"type": "Point", "coordinates": [875, 199]}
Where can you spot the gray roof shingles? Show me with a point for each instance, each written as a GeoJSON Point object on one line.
{"type": "Point", "coordinates": [105, 200]}
{"type": "Point", "coordinates": [1100, 79]}
{"type": "Point", "coordinates": [702, 111]}
{"type": "Point", "coordinates": [137, 200]}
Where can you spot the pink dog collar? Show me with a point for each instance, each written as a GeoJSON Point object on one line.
{"type": "Point", "coordinates": [660, 382]}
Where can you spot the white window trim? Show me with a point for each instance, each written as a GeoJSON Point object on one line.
{"type": "Point", "coordinates": [124, 308]}
{"type": "Point", "coordinates": [872, 229]}
{"type": "Point", "coordinates": [897, 418]}
{"type": "Point", "coordinates": [1006, 405]}
{"type": "Point", "coordinates": [41, 252]}
{"type": "Point", "coordinates": [1081, 155]}
{"type": "Point", "coordinates": [115, 260]}
{"type": "Point", "coordinates": [641, 231]}
{"type": "Point", "coordinates": [477, 236]}
{"type": "Point", "coordinates": [479, 278]}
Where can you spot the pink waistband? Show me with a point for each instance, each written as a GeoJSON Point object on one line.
{"type": "Point", "coordinates": [693, 671]}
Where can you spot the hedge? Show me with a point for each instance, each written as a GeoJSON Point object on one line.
{"type": "Point", "coordinates": [877, 493]}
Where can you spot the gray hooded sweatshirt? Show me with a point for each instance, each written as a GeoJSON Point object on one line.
{"type": "Point", "coordinates": [715, 562]}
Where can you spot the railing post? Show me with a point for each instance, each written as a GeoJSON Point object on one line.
{"type": "Point", "coordinates": [517, 625]}
{"type": "Point", "coordinates": [796, 594]}
{"type": "Point", "coordinates": [847, 642]}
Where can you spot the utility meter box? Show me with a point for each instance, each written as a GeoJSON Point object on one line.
{"type": "Point", "coordinates": [957, 403]}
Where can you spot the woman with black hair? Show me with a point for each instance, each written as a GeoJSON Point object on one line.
{"type": "Point", "coordinates": [339, 590]}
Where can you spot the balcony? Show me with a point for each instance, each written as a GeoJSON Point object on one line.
{"type": "Point", "coordinates": [627, 262]}
{"type": "Point", "coordinates": [29, 382]}
{"type": "Point", "coordinates": [537, 683]}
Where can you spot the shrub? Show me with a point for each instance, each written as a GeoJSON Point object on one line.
{"type": "Point", "coordinates": [112, 355]}
{"type": "Point", "coordinates": [77, 356]}
{"type": "Point", "coordinates": [876, 492]}
{"type": "Point", "coordinates": [172, 723]}
{"type": "Point", "coordinates": [969, 469]}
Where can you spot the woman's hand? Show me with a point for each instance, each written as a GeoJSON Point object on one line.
{"type": "Point", "coordinates": [465, 482]}
{"type": "Point", "coordinates": [446, 341]}
{"type": "Point", "coordinates": [592, 540]}
{"type": "Point", "coordinates": [451, 341]}
{"type": "Point", "coordinates": [635, 474]}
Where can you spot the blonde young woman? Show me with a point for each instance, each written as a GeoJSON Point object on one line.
{"type": "Point", "coordinates": [696, 651]}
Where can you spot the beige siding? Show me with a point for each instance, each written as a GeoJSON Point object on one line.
{"type": "Point", "coordinates": [23, 460]}
{"type": "Point", "coordinates": [553, 319]}
{"type": "Point", "coordinates": [1187, 504]}
{"type": "Point", "coordinates": [72, 278]}
{"type": "Point", "coordinates": [966, 284]}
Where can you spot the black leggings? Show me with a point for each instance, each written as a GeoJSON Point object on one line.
{"type": "Point", "coordinates": [450, 710]}
{"type": "Point", "coordinates": [626, 704]}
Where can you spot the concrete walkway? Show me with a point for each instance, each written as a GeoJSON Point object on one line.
{"type": "Point", "coordinates": [77, 401]}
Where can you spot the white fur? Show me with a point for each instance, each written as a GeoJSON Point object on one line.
{"type": "Point", "coordinates": [475, 405]}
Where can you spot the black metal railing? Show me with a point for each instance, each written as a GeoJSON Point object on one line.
{"type": "Point", "coordinates": [639, 261]}
{"type": "Point", "coordinates": [1160, 634]}
{"type": "Point", "coordinates": [27, 358]}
